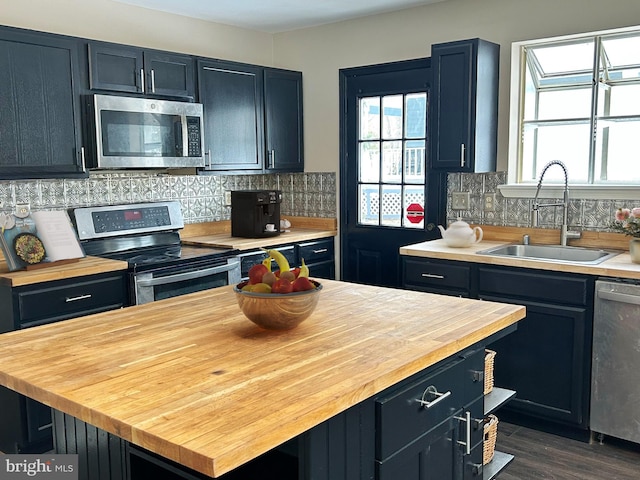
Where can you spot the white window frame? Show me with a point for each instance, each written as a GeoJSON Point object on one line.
{"type": "Point", "coordinates": [550, 190]}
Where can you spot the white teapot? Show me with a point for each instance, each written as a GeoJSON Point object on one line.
{"type": "Point", "coordinates": [460, 234]}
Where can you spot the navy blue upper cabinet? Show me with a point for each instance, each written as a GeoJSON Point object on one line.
{"type": "Point", "coordinates": [122, 68]}
{"type": "Point", "coordinates": [39, 106]}
{"type": "Point", "coordinates": [283, 121]}
{"type": "Point", "coordinates": [231, 96]}
{"type": "Point", "coordinates": [252, 117]}
{"type": "Point", "coordinates": [464, 106]}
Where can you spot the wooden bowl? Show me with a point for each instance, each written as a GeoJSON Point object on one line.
{"type": "Point", "coordinates": [277, 311]}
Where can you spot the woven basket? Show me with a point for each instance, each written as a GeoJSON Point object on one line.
{"type": "Point", "coordinates": [489, 355]}
{"type": "Point", "coordinates": [490, 435]}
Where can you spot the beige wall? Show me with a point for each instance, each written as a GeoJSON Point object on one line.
{"type": "Point", "coordinates": [320, 52]}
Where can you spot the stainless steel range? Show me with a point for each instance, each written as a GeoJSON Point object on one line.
{"type": "Point", "coordinates": [146, 235]}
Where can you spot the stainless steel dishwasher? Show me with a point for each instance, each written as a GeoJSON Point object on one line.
{"type": "Point", "coordinates": [615, 385]}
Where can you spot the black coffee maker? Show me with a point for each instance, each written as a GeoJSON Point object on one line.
{"type": "Point", "coordinates": [255, 213]}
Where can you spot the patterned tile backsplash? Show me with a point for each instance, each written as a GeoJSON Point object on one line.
{"type": "Point", "coordinates": [304, 194]}
{"type": "Point", "coordinates": [583, 214]}
{"type": "Point", "coordinates": [202, 196]}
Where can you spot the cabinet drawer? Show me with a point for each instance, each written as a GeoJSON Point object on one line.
{"type": "Point", "coordinates": [401, 418]}
{"type": "Point", "coordinates": [432, 274]}
{"type": "Point", "coordinates": [565, 289]}
{"type": "Point", "coordinates": [70, 299]}
{"type": "Point", "coordinates": [316, 251]}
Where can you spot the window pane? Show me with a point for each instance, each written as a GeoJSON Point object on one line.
{"type": "Point", "coordinates": [369, 118]}
{"type": "Point", "coordinates": [369, 162]}
{"type": "Point", "coordinates": [567, 58]}
{"type": "Point", "coordinates": [414, 161]}
{"type": "Point", "coordinates": [392, 162]}
{"type": "Point", "coordinates": [622, 51]}
{"type": "Point", "coordinates": [413, 196]}
{"type": "Point", "coordinates": [569, 103]}
{"type": "Point", "coordinates": [624, 100]}
{"type": "Point", "coordinates": [615, 141]}
{"type": "Point", "coordinates": [416, 116]}
{"type": "Point", "coordinates": [392, 117]}
{"type": "Point", "coordinates": [369, 213]}
{"type": "Point", "coordinates": [391, 206]}
{"type": "Point", "coordinates": [568, 143]}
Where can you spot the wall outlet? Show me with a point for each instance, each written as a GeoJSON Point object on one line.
{"type": "Point", "coordinates": [489, 202]}
{"type": "Point", "coordinates": [227, 198]}
{"type": "Point", "coordinates": [460, 200]}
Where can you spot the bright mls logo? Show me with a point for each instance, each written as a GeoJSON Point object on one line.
{"type": "Point", "coordinates": [51, 467]}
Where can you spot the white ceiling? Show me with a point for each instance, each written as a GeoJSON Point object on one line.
{"type": "Point", "coordinates": [275, 16]}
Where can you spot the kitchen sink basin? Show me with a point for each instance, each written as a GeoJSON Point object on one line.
{"type": "Point", "coordinates": [551, 253]}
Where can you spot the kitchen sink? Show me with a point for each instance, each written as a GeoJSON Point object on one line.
{"type": "Point", "coordinates": [552, 253]}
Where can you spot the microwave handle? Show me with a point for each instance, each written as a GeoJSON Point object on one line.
{"type": "Point", "coordinates": [178, 277]}
{"type": "Point", "coordinates": [185, 137]}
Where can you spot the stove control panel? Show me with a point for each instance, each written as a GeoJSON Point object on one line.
{"type": "Point", "coordinates": [118, 220]}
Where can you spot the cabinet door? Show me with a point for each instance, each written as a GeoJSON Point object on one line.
{"type": "Point", "coordinates": [437, 456]}
{"type": "Point", "coordinates": [283, 121]}
{"type": "Point", "coordinates": [464, 106]}
{"type": "Point", "coordinates": [231, 96]}
{"type": "Point", "coordinates": [546, 360]}
{"type": "Point", "coordinates": [39, 108]}
{"type": "Point", "coordinates": [116, 67]}
{"type": "Point", "coordinates": [169, 74]}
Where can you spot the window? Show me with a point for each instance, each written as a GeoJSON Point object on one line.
{"type": "Point", "coordinates": [391, 160]}
{"type": "Point", "coordinates": [579, 102]}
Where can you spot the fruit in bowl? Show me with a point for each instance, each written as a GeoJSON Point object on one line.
{"type": "Point", "coordinates": [278, 300]}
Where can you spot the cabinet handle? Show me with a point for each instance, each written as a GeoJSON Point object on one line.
{"type": "Point", "coordinates": [433, 275]}
{"type": "Point", "coordinates": [82, 159]}
{"type": "Point", "coordinates": [462, 151]}
{"type": "Point", "coordinates": [320, 250]}
{"type": "Point", "coordinates": [467, 419]}
{"type": "Point", "coordinates": [272, 159]}
{"type": "Point", "coordinates": [79, 297]}
{"type": "Point", "coordinates": [153, 81]}
{"type": "Point", "coordinates": [142, 79]}
{"type": "Point", "coordinates": [208, 154]}
{"type": "Point", "coordinates": [433, 392]}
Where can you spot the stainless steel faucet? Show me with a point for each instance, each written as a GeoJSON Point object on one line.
{"type": "Point", "coordinates": [564, 232]}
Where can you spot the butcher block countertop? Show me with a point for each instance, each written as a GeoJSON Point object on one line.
{"type": "Point", "coordinates": [225, 240]}
{"type": "Point", "coordinates": [193, 380]}
{"type": "Point", "coordinates": [59, 271]}
{"type": "Point", "coordinates": [218, 234]}
{"type": "Point", "coordinates": [619, 266]}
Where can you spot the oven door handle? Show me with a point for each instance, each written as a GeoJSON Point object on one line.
{"type": "Point", "coordinates": [179, 277]}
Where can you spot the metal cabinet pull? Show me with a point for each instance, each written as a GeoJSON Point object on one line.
{"type": "Point", "coordinates": [433, 275]}
{"type": "Point", "coordinates": [82, 159]}
{"type": "Point", "coordinates": [142, 79]}
{"type": "Point", "coordinates": [79, 297]}
{"type": "Point", "coordinates": [320, 250]}
{"type": "Point", "coordinates": [462, 151]}
{"type": "Point", "coordinates": [433, 392]}
{"type": "Point", "coordinates": [467, 419]}
{"type": "Point", "coordinates": [272, 159]}
{"type": "Point", "coordinates": [208, 154]}
{"type": "Point", "coordinates": [153, 81]}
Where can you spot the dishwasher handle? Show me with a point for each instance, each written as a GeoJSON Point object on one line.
{"type": "Point", "coordinates": [619, 297]}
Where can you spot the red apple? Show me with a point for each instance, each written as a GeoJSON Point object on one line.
{"type": "Point", "coordinates": [256, 272]}
{"type": "Point", "coordinates": [282, 286]}
{"type": "Point", "coordinates": [302, 284]}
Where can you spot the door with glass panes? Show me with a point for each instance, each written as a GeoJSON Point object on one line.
{"type": "Point", "coordinates": [388, 198]}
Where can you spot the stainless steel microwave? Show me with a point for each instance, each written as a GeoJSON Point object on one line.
{"type": "Point", "coordinates": [129, 132]}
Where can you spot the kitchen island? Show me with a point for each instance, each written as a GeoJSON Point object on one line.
{"type": "Point", "coordinates": [192, 380]}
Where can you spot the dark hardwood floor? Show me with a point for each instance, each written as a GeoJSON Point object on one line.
{"type": "Point", "coordinates": [542, 455]}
